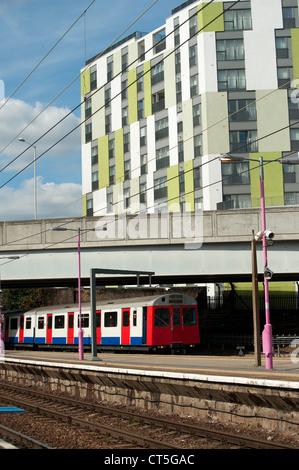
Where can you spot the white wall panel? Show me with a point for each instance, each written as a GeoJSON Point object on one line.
{"type": "Point", "coordinates": [86, 168]}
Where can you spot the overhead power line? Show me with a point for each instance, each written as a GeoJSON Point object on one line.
{"type": "Point", "coordinates": [47, 54]}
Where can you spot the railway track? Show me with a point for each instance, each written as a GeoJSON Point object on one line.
{"type": "Point", "coordinates": [125, 429]}
{"type": "Point", "coordinates": [21, 440]}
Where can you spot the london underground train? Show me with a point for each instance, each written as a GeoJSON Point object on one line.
{"type": "Point", "coordinates": [151, 323]}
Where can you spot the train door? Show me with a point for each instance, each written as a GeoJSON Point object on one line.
{"type": "Point", "coordinates": [125, 326]}
{"type": "Point", "coordinates": [21, 332]}
{"type": "Point", "coordinates": [70, 328]}
{"type": "Point", "coordinates": [177, 325]}
{"type": "Point", "coordinates": [6, 334]}
{"type": "Point", "coordinates": [98, 326]}
{"type": "Point", "coordinates": [49, 329]}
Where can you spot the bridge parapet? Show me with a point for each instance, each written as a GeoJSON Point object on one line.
{"type": "Point", "coordinates": [191, 229]}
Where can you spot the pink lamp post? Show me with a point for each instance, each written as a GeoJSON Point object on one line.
{"type": "Point", "coordinates": [80, 330]}
{"type": "Point", "coordinates": [264, 235]}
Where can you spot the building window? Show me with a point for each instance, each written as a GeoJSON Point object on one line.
{"type": "Point", "coordinates": [193, 85]}
{"type": "Point", "coordinates": [197, 145]}
{"type": "Point", "coordinates": [127, 167]}
{"type": "Point", "coordinates": [159, 41]}
{"type": "Point", "coordinates": [89, 207]}
{"type": "Point", "coordinates": [294, 139]}
{"type": "Point", "coordinates": [88, 108]}
{"type": "Point", "coordinates": [237, 20]}
{"type": "Point", "coordinates": [142, 195]}
{"type": "Point", "coordinates": [110, 203]}
{"type": "Point", "coordinates": [157, 73]}
{"type": "Point", "coordinates": [88, 133]}
{"type": "Point", "coordinates": [230, 49]}
{"type": "Point", "coordinates": [289, 17]}
{"type": "Point", "coordinates": [162, 128]}
{"type": "Point", "coordinates": [126, 198]}
{"type": "Point", "coordinates": [193, 55]}
{"type": "Point", "coordinates": [162, 158]}
{"type": "Point", "coordinates": [241, 110]}
{"type": "Point", "coordinates": [95, 180]}
{"type": "Point", "coordinates": [142, 136]}
{"type": "Point", "coordinates": [126, 142]}
{"type": "Point", "coordinates": [158, 101]}
{"type": "Point", "coordinates": [176, 27]}
{"type": "Point", "coordinates": [124, 89]}
{"type": "Point", "coordinates": [197, 178]}
{"type": "Point", "coordinates": [143, 164]}
{"type": "Point", "coordinates": [112, 174]}
{"type": "Point", "coordinates": [231, 79]}
{"type": "Point", "coordinates": [111, 148]}
{"type": "Point", "coordinates": [196, 115]}
{"type": "Point", "coordinates": [94, 155]}
{"type": "Point", "coordinates": [235, 173]}
{"type": "Point", "coordinates": [125, 116]}
{"type": "Point", "coordinates": [109, 68]}
{"type": "Point", "coordinates": [243, 141]}
{"type": "Point", "coordinates": [160, 185]}
{"type": "Point", "coordinates": [282, 48]}
{"type": "Point", "coordinates": [284, 77]}
{"type": "Point", "coordinates": [93, 80]}
{"type": "Point", "coordinates": [237, 201]}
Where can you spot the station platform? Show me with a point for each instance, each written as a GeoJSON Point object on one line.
{"type": "Point", "coordinates": [211, 368]}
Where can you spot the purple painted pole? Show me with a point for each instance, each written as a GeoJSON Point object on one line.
{"type": "Point", "coordinates": [267, 333]}
{"type": "Point", "coordinates": [80, 332]}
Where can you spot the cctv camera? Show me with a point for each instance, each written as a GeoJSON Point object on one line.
{"type": "Point", "coordinates": [269, 234]}
{"type": "Point", "coordinates": [268, 273]}
{"type": "Point", "coordinates": [258, 237]}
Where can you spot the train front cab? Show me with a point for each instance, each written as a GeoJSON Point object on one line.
{"type": "Point", "coordinates": [173, 327]}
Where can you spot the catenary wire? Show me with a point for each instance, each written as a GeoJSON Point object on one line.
{"type": "Point", "coordinates": [235, 150]}
{"type": "Point", "coordinates": [47, 54]}
{"type": "Point", "coordinates": [54, 99]}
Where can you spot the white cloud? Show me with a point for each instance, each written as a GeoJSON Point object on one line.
{"type": "Point", "coordinates": [53, 200]}
{"type": "Point", "coordinates": [17, 114]}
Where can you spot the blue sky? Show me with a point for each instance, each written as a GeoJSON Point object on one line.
{"type": "Point", "coordinates": [28, 30]}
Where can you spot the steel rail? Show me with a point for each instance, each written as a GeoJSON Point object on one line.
{"type": "Point", "coordinates": [193, 430]}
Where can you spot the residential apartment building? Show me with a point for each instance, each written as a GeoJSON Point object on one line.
{"type": "Point", "coordinates": [159, 108]}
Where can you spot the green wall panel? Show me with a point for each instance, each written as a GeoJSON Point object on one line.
{"type": "Point", "coordinates": [85, 82]}
{"type": "Point", "coordinates": [132, 96]}
{"type": "Point", "coordinates": [295, 48]}
{"type": "Point", "coordinates": [173, 188]}
{"type": "Point", "coordinates": [103, 156]}
{"type": "Point", "coordinates": [207, 13]}
{"type": "Point", "coordinates": [273, 180]}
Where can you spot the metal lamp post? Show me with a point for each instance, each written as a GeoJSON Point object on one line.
{"type": "Point", "coordinates": [34, 164]}
{"type": "Point", "coordinates": [1, 316]}
{"type": "Point", "coordinates": [79, 231]}
{"type": "Point", "coordinates": [267, 332]}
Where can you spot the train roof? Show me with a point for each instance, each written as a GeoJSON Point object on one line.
{"type": "Point", "coordinates": [166, 299]}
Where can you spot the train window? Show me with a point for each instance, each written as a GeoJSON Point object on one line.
{"type": "Point", "coordinates": [40, 323]}
{"type": "Point", "coordinates": [28, 323]}
{"type": "Point", "coordinates": [162, 317]}
{"type": "Point", "coordinates": [22, 323]}
{"type": "Point", "coordinates": [84, 320]}
{"type": "Point", "coordinates": [59, 322]}
{"type": "Point", "coordinates": [110, 319]}
{"type": "Point", "coordinates": [98, 319]}
{"type": "Point", "coordinates": [189, 316]}
{"type": "Point", "coordinates": [126, 318]}
{"type": "Point", "coordinates": [71, 320]}
{"type": "Point", "coordinates": [176, 317]}
{"type": "Point", "coordinates": [13, 323]}
{"type": "Point", "coordinates": [134, 317]}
